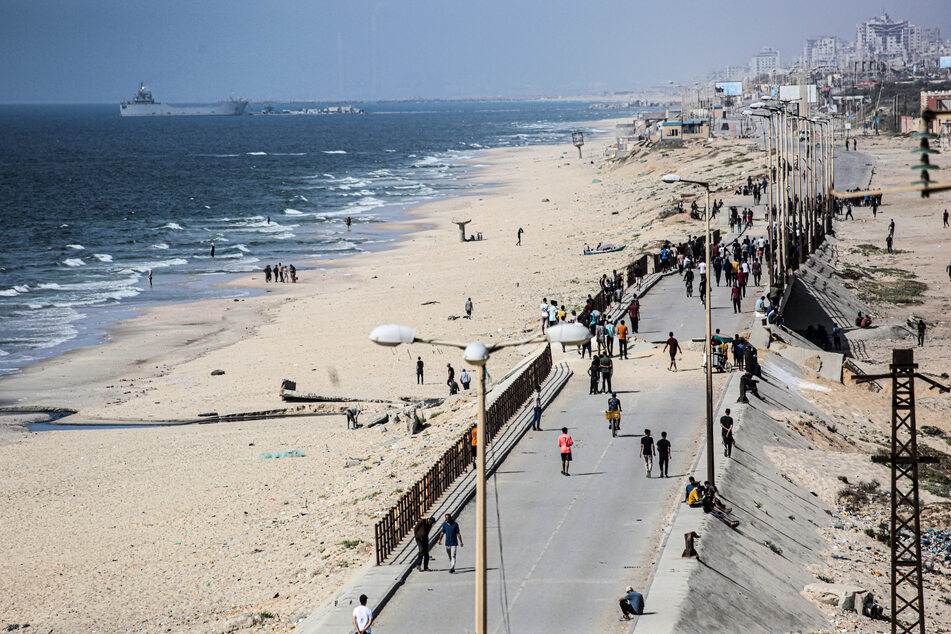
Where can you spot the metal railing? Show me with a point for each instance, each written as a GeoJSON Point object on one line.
{"type": "Point", "coordinates": [400, 519]}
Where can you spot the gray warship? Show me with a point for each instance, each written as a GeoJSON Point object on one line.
{"type": "Point", "coordinates": [144, 106]}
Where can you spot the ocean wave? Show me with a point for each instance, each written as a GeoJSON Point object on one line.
{"type": "Point", "coordinates": [160, 245]}
{"type": "Point", "coordinates": [74, 262]}
{"type": "Point", "coordinates": [53, 286]}
{"type": "Point", "coordinates": [335, 151]}
{"type": "Point", "coordinates": [389, 151]}
{"type": "Point", "coordinates": [158, 264]}
{"type": "Point", "coordinates": [78, 247]}
{"type": "Point", "coordinates": [257, 153]}
{"type": "Point", "coordinates": [289, 154]}
{"type": "Point", "coordinates": [302, 198]}
{"type": "Point", "coordinates": [242, 248]}
{"type": "Point", "coordinates": [102, 257]}
{"type": "Point", "coordinates": [171, 225]}
{"type": "Point", "coordinates": [16, 290]}
{"type": "Point", "coordinates": [293, 212]}
{"type": "Point", "coordinates": [220, 155]}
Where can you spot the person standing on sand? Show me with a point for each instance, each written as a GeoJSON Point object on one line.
{"type": "Point", "coordinates": [945, 217]}
{"type": "Point", "coordinates": [465, 379]}
{"type": "Point", "coordinates": [452, 374]}
{"type": "Point", "coordinates": [921, 332]}
{"type": "Point", "coordinates": [450, 530]}
{"type": "Point", "coordinates": [419, 370]}
{"type": "Point", "coordinates": [673, 346]}
{"type": "Point", "coordinates": [647, 451]}
{"type": "Point", "coordinates": [947, 267]}
{"type": "Point", "coordinates": [520, 232]}
{"type": "Point", "coordinates": [421, 534]}
{"type": "Point", "coordinates": [888, 242]}
{"type": "Point", "coordinates": [544, 309]}
{"type": "Point", "coordinates": [469, 308]}
{"type": "Point", "coordinates": [564, 446]}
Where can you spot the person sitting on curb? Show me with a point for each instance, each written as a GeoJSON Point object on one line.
{"type": "Point", "coordinates": [748, 384]}
{"type": "Point", "coordinates": [632, 603]}
{"type": "Point", "coordinates": [691, 485]}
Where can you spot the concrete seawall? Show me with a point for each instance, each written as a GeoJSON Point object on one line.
{"type": "Point", "coordinates": [748, 579]}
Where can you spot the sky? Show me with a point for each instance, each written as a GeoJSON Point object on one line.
{"type": "Point", "coordinates": [96, 51]}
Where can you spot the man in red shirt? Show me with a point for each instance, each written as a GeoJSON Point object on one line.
{"type": "Point", "coordinates": [674, 346]}
{"type": "Point", "coordinates": [564, 445]}
{"type": "Point", "coordinates": [735, 295]}
{"type": "Point", "coordinates": [635, 313]}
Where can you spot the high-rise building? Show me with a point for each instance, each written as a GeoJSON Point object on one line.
{"type": "Point", "coordinates": [884, 38]}
{"type": "Point", "coordinates": [764, 62]}
{"type": "Point", "coordinates": [820, 52]}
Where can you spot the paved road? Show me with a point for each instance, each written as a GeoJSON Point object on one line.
{"type": "Point", "coordinates": [571, 545]}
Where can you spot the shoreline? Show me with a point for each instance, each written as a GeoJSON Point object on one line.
{"type": "Point", "coordinates": [172, 343]}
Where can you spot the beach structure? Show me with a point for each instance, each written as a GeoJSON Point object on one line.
{"type": "Point", "coordinates": [683, 131]}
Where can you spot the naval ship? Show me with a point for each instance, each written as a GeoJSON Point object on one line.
{"type": "Point", "coordinates": [144, 106]}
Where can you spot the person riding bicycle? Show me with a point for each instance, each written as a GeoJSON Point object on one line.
{"type": "Point", "coordinates": [614, 405]}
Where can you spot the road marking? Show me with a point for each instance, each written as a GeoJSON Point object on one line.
{"type": "Point", "coordinates": [553, 533]}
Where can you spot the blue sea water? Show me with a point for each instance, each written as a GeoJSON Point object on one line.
{"type": "Point", "coordinates": [91, 201]}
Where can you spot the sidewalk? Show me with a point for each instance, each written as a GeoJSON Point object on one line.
{"type": "Point", "coordinates": [379, 583]}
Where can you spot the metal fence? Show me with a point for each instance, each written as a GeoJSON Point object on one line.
{"type": "Point", "coordinates": [401, 518]}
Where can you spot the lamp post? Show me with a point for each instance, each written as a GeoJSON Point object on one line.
{"type": "Point", "coordinates": [674, 178]}
{"type": "Point", "coordinates": [477, 354]}
{"type": "Point", "coordinates": [771, 173]}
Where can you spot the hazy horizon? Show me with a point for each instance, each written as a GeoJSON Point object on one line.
{"type": "Point", "coordinates": [97, 52]}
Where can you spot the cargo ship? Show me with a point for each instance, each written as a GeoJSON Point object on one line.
{"type": "Point", "coordinates": [144, 106]}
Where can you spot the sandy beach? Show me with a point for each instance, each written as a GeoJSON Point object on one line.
{"type": "Point", "coordinates": [187, 528]}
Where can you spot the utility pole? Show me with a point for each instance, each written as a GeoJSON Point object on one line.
{"type": "Point", "coordinates": [908, 599]}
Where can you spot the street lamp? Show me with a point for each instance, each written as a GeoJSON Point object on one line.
{"type": "Point", "coordinates": [771, 172]}
{"type": "Point", "coordinates": [477, 354]}
{"type": "Point", "coordinates": [674, 178]}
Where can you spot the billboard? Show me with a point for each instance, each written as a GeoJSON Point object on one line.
{"type": "Point", "coordinates": [792, 93]}
{"type": "Point", "coordinates": [944, 62]}
{"type": "Point", "coordinates": [730, 88]}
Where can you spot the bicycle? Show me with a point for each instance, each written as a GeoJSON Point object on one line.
{"type": "Point", "coordinates": [614, 422]}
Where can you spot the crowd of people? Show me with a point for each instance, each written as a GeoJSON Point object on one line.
{"type": "Point", "coordinates": [280, 273]}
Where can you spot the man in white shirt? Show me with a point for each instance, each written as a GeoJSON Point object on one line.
{"type": "Point", "coordinates": [362, 617]}
{"type": "Point", "coordinates": [544, 309]}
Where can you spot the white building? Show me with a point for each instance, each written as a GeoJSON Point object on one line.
{"type": "Point", "coordinates": [764, 62]}
{"type": "Point", "coordinates": [884, 38]}
{"type": "Point", "coordinates": [820, 52]}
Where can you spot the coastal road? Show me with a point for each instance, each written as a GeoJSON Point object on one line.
{"type": "Point", "coordinates": [570, 545]}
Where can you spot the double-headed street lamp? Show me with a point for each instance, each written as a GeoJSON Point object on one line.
{"type": "Point", "coordinates": [674, 178]}
{"type": "Point", "coordinates": [477, 354]}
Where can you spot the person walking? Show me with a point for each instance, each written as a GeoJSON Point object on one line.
{"type": "Point", "coordinates": [419, 370]}
{"type": "Point", "coordinates": [452, 374]}
{"type": "Point", "coordinates": [537, 409]}
{"type": "Point", "coordinates": [544, 309]}
{"type": "Point", "coordinates": [594, 371]}
{"type": "Point", "coordinates": [673, 347]}
{"type": "Point", "coordinates": [945, 218]}
{"type": "Point", "coordinates": [520, 232]}
{"type": "Point", "coordinates": [921, 332]}
{"type": "Point", "coordinates": [450, 530]}
{"type": "Point", "coordinates": [726, 430]}
{"type": "Point", "coordinates": [609, 338]}
{"type": "Point", "coordinates": [663, 454]}
{"type": "Point", "coordinates": [891, 227]}
{"type": "Point", "coordinates": [622, 340]}
{"type": "Point", "coordinates": [421, 534]}
{"type": "Point", "coordinates": [888, 242]}
{"type": "Point", "coordinates": [564, 446]}
{"type": "Point", "coordinates": [634, 312]}
{"type": "Point", "coordinates": [607, 372]}
{"type": "Point", "coordinates": [362, 617]}
{"type": "Point", "coordinates": [735, 295]}
{"type": "Point", "coordinates": [647, 451]}
{"type": "Point", "coordinates": [465, 379]}
{"type": "Point", "coordinates": [469, 308]}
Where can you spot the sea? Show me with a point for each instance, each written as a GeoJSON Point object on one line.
{"type": "Point", "coordinates": [91, 202]}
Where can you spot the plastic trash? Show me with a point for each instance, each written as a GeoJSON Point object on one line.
{"type": "Point", "coordinates": [293, 453]}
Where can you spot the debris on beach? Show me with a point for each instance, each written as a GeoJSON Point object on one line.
{"type": "Point", "coordinates": [293, 453]}
{"type": "Point", "coordinates": [217, 372]}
